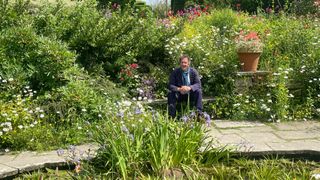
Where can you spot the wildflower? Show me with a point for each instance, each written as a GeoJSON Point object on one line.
{"type": "Point", "coordinates": [20, 126]}
{"type": "Point", "coordinates": [185, 119]}
{"type": "Point", "coordinates": [99, 115]}
{"type": "Point", "coordinates": [1, 133]}
{"type": "Point", "coordinates": [120, 114]}
{"type": "Point", "coordinates": [192, 115]}
{"type": "Point", "coordinates": [124, 129]}
{"type": "Point", "coordinates": [10, 79]}
{"type": "Point", "coordinates": [41, 115]}
{"type": "Point", "coordinates": [6, 150]}
{"type": "Point", "coordinates": [127, 103]}
{"type": "Point", "coordinates": [138, 111]}
{"type": "Point", "coordinates": [83, 110]}
{"type": "Point", "coordinates": [207, 118]}
{"type": "Point", "coordinates": [131, 136]}
{"type": "Point", "coordinates": [315, 176]}
{"type": "Point", "coordinates": [72, 148]}
{"type": "Point", "coordinates": [134, 66]}
{"type": "Point", "coordinates": [60, 152]}
{"type": "Point", "coordinates": [5, 129]}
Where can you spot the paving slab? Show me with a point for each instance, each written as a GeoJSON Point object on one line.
{"type": "Point", "coordinates": [236, 124]}
{"type": "Point", "coordinates": [257, 129]}
{"type": "Point", "coordinates": [213, 132]}
{"type": "Point", "coordinates": [230, 139]}
{"type": "Point", "coordinates": [230, 131]}
{"type": "Point", "coordinates": [6, 171]}
{"type": "Point", "coordinates": [298, 134]}
{"type": "Point", "coordinates": [258, 137]}
{"type": "Point", "coordinates": [28, 161]}
{"type": "Point", "coordinates": [304, 125]}
{"type": "Point", "coordinates": [297, 145]}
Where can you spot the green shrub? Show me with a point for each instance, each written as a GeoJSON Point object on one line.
{"type": "Point", "coordinates": [33, 60]}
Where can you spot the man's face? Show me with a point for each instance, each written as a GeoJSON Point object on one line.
{"type": "Point", "coordinates": [184, 64]}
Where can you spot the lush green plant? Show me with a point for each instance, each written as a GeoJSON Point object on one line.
{"type": "Point", "coordinates": [33, 60]}
{"type": "Point", "coordinates": [138, 142]}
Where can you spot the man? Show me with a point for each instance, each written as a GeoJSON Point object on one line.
{"type": "Point", "coordinates": [184, 83]}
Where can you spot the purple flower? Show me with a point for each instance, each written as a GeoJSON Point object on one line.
{"type": "Point", "coordinates": [124, 129]}
{"type": "Point", "coordinates": [72, 148]}
{"type": "Point", "coordinates": [185, 119]}
{"type": "Point", "coordinates": [60, 152]}
{"type": "Point", "coordinates": [131, 136]}
{"type": "Point", "coordinates": [207, 118]}
{"type": "Point", "coordinates": [138, 111]}
{"type": "Point", "coordinates": [192, 115]}
{"type": "Point", "coordinates": [120, 114]}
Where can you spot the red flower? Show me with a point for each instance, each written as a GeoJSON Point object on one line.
{"type": "Point", "coordinates": [134, 66]}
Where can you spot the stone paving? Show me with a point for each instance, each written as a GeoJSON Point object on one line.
{"type": "Point", "coordinates": [243, 136]}
{"type": "Point", "coordinates": [260, 137]}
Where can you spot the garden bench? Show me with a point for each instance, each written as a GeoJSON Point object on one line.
{"type": "Point", "coordinates": [164, 101]}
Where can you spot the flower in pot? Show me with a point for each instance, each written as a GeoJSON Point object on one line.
{"type": "Point", "coordinates": [249, 48]}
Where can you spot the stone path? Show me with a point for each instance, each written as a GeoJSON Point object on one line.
{"type": "Point", "coordinates": [259, 137]}
{"type": "Point", "coordinates": [244, 136]}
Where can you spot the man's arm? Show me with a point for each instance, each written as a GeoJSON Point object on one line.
{"type": "Point", "coordinates": [197, 83]}
{"type": "Point", "coordinates": [172, 82]}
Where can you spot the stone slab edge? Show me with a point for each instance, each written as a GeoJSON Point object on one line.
{"type": "Point", "coordinates": [14, 171]}
{"type": "Point", "coordinates": [8, 171]}
{"type": "Point", "coordinates": [305, 154]}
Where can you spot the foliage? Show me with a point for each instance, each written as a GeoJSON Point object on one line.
{"type": "Point", "coordinates": [34, 60]}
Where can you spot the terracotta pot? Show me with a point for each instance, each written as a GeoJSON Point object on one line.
{"type": "Point", "coordinates": [249, 61]}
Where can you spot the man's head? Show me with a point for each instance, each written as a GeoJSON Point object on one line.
{"type": "Point", "coordinates": [184, 62]}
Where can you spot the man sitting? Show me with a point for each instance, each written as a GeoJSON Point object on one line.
{"type": "Point", "coordinates": [184, 84]}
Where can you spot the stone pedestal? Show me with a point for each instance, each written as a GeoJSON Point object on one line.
{"type": "Point", "coordinates": [245, 80]}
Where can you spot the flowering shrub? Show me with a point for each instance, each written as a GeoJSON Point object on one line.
{"type": "Point", "coordinates": [249, 42]}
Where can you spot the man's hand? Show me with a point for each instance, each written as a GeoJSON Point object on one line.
{"type": "Point", "coordinates": [184, 89]}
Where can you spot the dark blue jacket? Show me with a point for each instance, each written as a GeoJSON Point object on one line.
{"type": "Point", "coordinates": [176, 81]}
